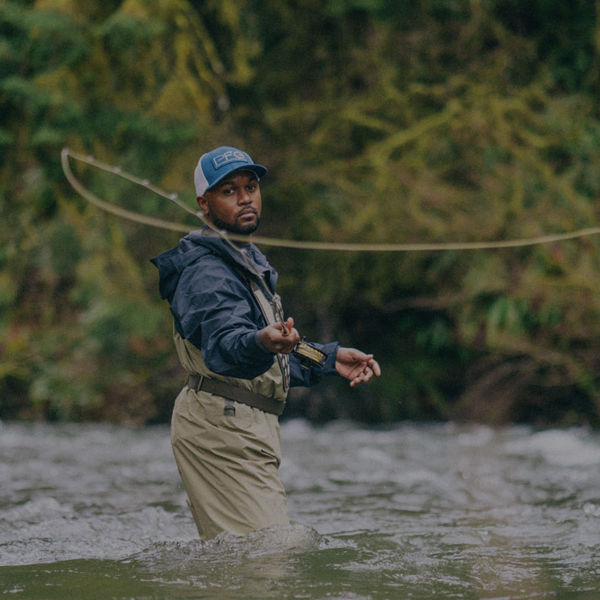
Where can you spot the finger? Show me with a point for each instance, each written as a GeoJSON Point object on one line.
{"type": "Point", "coordinates": [374, 365]}
{"type": "Point", "coordinates": [286, 327]}
{"type": "Point", "coordinates": [356, 380]}
{"type": "Point", "coordinates": [359, 379]}
{"type": "Point", "coordinates": [288, 341]}
{"type": "Point", "coordinates": [363, 377]}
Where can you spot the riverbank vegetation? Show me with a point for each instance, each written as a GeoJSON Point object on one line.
{"type": "Point", "coordinates": [430, 121]}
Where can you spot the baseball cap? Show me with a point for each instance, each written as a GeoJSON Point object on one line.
{"type": "Point", "coordinates": [218, 163]}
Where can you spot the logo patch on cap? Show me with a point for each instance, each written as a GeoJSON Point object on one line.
{"type": "Point", "coordinates": [229, 156]}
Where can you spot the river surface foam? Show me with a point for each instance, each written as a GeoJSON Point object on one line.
{"type": "Point", "coordinates": [409, 511]}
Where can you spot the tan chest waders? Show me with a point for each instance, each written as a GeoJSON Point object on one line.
{"type": "Point", "coordinates": [228, 451]}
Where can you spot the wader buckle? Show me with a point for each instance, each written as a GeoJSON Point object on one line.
{"type": "Point", "coordinates": [195, 381]}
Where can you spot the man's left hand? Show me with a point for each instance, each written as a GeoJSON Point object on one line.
{"type": "Point", "coordinates": [356, 366]}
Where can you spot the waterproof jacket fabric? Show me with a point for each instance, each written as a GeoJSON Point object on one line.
{"type": "Point", "coordinates": [214, 309]}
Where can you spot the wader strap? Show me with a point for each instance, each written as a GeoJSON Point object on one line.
{"type": "Point", "coordinates": [273, 313]}
{"type": "Point", "coordinates": [231, 392]}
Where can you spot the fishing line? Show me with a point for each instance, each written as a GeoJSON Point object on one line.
{"type": "Point", "coordinates": [307, 353]}
{"type": "Point", "coordinates": [278, 242]}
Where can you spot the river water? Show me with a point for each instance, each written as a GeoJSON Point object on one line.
{"type": "Point", "coordinates": [411, 511]}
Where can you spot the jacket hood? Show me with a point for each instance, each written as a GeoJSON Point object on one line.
{"type": "Point", "coordinates": [202, 242]}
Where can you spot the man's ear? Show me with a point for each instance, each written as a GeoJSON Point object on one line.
{"type": "Point", "coordinates": [203, 204]}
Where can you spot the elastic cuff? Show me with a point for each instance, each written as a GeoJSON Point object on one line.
{"type": "Point", "coordinates": [331, 351]}
{"type": "Point", "coordinates": [258, 344]}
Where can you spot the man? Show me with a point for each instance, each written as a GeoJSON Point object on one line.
{"type": "Point", "coordinates": [241, 355]}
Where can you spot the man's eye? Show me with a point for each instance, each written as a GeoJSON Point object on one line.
{"type": "Point", "coordinates": [251, 188]}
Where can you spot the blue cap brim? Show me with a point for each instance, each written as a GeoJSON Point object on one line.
{"type": "Point", "coordinates": [258, 170]}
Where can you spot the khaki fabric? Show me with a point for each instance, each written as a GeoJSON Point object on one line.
{"type": "Point", "coordinates": [269, 384]}
{"type": "Point", "coordinates": [228, 464]}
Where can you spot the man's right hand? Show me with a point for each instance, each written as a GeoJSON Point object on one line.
{"type": "Point", "coordinates": [280, 337]}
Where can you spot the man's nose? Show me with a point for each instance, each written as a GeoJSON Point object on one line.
{"type": "Point", "coordinates": [244, 197]}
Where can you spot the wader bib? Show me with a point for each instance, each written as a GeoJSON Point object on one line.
{"type": "Point", "coordinates": [227, 449]}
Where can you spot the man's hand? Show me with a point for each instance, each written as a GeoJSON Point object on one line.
{"type": "Point", "coordinates": [280, 337]}
{"type": "Point", "coordinates": [355, 365]}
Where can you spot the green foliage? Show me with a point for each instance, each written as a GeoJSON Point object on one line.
{"type": "Point", "coordinates": [380, 121]}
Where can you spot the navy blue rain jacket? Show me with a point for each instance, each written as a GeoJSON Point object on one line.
{"type": "Point", "coordinates": [214, 308]}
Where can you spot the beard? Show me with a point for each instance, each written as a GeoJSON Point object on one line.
{"type": "Point", "coordinates": [235, 227]}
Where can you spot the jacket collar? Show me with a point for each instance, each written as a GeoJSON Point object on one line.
{"type": "Point", "coordinates": [258, 262]}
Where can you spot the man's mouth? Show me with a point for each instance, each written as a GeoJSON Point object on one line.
{"type": "Point", "coordinates": [247, 212]}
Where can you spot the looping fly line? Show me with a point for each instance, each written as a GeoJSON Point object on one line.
{"type": "Point", "coordinates": [278, 242]}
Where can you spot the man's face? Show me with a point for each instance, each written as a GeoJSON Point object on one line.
{"type": "Point", "coordinates": [234, 204]}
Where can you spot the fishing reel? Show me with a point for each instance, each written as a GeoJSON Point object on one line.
{"type": "Point", "coordinates": [309, 355]}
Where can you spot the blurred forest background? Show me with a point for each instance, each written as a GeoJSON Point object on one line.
{"type": "Point", "coordinates": [380, 121]}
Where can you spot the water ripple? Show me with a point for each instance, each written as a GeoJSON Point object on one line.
{"type": "Point", "coordinates": [429, 511]}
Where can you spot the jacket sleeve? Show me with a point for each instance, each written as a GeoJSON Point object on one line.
{"type": "Point", "coordinates": [215, 311]}
{"type": "Point", "coordinates": [301, 376]}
